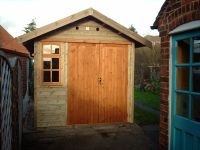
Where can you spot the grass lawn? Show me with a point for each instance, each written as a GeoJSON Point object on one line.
{"type": "Point", "coordinates": [147, 98]}
{"type": "Point", "coordinates": [142, 117]}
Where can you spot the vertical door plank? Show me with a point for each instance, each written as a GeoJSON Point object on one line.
{"type": "Point", "coordinates": [114, 73]}
{"type": "Point", "coordinates": [83, 64]}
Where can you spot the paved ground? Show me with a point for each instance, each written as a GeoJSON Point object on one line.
{"type": "Point", "coordinates": [152, 132]}
{"type": "Point", "coordinates": [101, 137]}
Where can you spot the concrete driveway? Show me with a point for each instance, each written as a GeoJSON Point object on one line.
{"type": "Point", "coordinates": [98, 137]}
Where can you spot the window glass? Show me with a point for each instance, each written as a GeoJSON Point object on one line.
{"type": "Point", "coordinates": [46, 77]}
{"type": "Point", "coordinates": [55, 63]}
{"type": "Point", "coordinates": [51, 64]}
{"type": "Point", "coordinates": [196, 50]}
{"type": "Point", "coordinates": [182, 104]}
{"type": "Point", "coordinates": [183, 51]}
{"type": "Point", "coordinates": [196, 79]}
{"type": "Point", "coordinates": [182, 78]}
{"type": "Point", "coordinates": [55, 49]}
{"type": "Point", "coordinates": [196, 108]}
{"type": "Point", "coordinates": [46, 49]}
{"type": "Point", "coordinates": [46, 63]}
{"type": "Point", "coordinates": [187, 65]}
{"type": "Point", "coordinates": [55, 76]}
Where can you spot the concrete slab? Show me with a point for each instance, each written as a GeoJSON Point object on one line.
{"type": "Point", "coordinates": [101, 137]}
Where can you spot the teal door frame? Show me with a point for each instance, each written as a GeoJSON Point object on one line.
{"type": "Point", "coordinates": [182, 128]}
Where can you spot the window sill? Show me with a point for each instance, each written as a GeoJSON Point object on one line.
{"type": "Point", "coordinates": [52, 84]}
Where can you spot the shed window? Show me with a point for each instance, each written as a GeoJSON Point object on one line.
{"type": "Point", "coordinates": [51, 58]}
{"type": "Point", "coordinates": [187, 76]}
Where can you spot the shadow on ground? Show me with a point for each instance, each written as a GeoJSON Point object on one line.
{"type": "Point", "coordinates": [101, 137]}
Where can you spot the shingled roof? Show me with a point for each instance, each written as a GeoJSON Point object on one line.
{"type": "Point", "coordinates": [140, 41]}
{"type": "Point", "coordinates": [9, 44]}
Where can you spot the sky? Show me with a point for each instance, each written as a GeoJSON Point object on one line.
{"type": "Point", "coordinates": [16, 14]}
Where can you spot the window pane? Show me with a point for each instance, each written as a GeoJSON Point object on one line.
{"type": "Point", "coordinates": [46, 76]}
{"type": "Point", "coordinates": [183, 51]}
{"type": "Point", "coordinates": [55, 76]}
{"type": "Point", "coordinates": [182, 78]}
{"type": "Point", "coordinates": [46, 63]}
{"type": "Point", "coordinates": [55, 49]}
{"type": "Point", "coordinates": [196, 50]}
{"type": "Point", "coordinates": [46, 49]}
{"type": "Point", "coordinates": [196, 79]}
{"type": "Point", "coordinates": [182, 105]}
{"type": "Point", "coordinates": [196, 108]}
{"type": "Point", "coordinates": [55, 63]}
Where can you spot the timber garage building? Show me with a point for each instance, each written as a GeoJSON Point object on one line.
{"type": "Point", "coordinates": [83, 70]}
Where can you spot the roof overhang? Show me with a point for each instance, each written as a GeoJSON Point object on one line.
{"type": "Point", "coordinates": [186, 27]}
{"type": "Point", "coordinates": [78, 16]}
{"type": "Point", "coordinates": [14, 52]}
{"type": "Point", "coordinates": [10, 45]}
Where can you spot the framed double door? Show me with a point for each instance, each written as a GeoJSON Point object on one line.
{"type": "Point", "coordinates": [97, 83]}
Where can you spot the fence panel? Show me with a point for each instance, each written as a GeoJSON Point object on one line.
{"type": "Point", "coordinates": [6, 104]}
{"type": "Point", "coordinates": [10, 103]}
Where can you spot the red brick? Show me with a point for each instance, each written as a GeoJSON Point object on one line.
{"type": "Point", "coordinates": [165, 44]}
{"type": "Point", "coordinates": [176, 13]}
{"type": "Point", "coordinates": [164, 107]}
{"type": "Point", "coordinates": [185, 1]}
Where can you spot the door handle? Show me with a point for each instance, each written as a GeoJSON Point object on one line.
{"type": "Point", "coordinates": [99, 80]}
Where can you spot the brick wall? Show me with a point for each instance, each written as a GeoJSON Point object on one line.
{"type": "Point", "coordinates": [175, 13]}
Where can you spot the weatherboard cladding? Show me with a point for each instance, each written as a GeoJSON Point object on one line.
{"type": "Point", "coordinates": [77, 31]}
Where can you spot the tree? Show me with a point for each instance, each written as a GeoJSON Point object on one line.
{"type": "Point", "coordinates": [147, 64]}
{"type": "Point", "coordinates": [132, 28]}
{"type": "Point", "coordinates": [30, 27]}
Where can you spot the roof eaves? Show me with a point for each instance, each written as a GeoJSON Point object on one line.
{"type": "Point", "coordinates": [155, 24]}
{"type": "Point", "coordinates": [15, 52]}
{"type": "Point", "coordinates": [122, 29]}
{"type": "Point", "coordinates": [55, 25]}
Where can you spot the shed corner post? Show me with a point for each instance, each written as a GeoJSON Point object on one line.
{"type": "Point", "coordinates": [65, 67]}
{"type": "Point", "coordinates": [130, 91]}
{"type": "Point", "coordinates": [37, 46]}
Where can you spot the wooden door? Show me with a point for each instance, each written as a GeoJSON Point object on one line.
{"type": "Point", "coordinates": [97, 83]}
{"type": "Point", "coordinates": [185, 103]}
{"type": "Point", "coordinates": [113, 91]}
{"type": "Point", "coordinates": [83, 65]}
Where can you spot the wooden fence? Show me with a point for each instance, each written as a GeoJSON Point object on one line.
{"type": "Point", "coordinates": [10, 103]}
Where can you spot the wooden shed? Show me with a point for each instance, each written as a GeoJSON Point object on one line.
{"type": "Point", "coordinates": [83, 70]}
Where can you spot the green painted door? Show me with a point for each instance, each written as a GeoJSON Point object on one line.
{"type": "Point", "coordinates": [185, 105]}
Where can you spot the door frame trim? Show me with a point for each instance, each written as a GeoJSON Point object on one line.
{"type": "Point", "coordinates": [86, 41]}
{"type": "Point", "coordinates": [130, 88]}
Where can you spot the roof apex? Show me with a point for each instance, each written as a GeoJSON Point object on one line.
{"type": "Point", "coordinates": [80, 15]}
{"type": "Point", "coordinates": [90, 10]}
